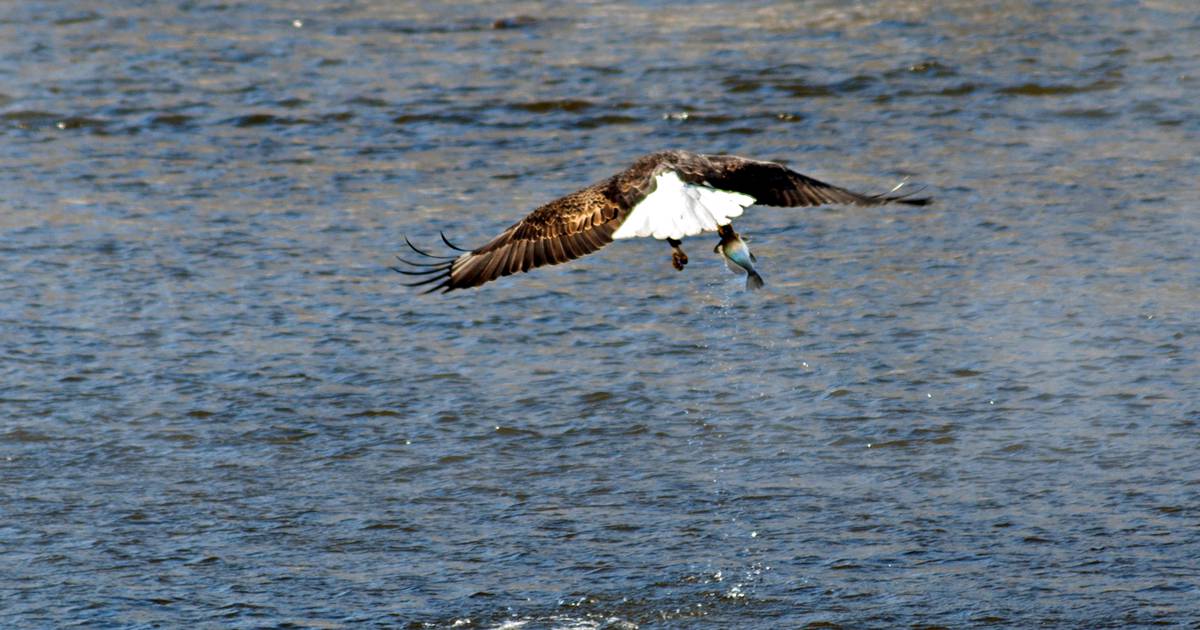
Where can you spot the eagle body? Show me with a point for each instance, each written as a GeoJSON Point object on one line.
{"type": "Point", "coordinates": [667, 195]}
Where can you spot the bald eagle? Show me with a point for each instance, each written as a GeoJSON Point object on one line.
{"type": "Point", "coordinates": [666, 195]}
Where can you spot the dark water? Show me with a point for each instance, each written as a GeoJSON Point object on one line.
{"type": "Point", "coordinates": [218, 407]}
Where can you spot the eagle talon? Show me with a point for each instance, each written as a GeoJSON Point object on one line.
{"type": "Point", "coordinates": [678, 258]}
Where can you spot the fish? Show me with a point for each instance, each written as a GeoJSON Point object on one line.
{"type": "Point", "coordinates": [738, 257]}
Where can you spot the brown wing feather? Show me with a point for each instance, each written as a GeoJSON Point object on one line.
{"type": "Point", "coordinates": [774, 184]}
{"type": "Point", "coordinates": [561, 230]}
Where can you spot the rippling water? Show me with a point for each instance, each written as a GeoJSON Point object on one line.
{"type": "Point", "coordinates": [219, 407]}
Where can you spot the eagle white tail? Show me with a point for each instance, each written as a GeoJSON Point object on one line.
{"type": "Point", "coordinates": [677, 209]}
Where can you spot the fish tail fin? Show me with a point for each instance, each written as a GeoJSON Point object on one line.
{"type": "Point", "coordinates": [753, 280]}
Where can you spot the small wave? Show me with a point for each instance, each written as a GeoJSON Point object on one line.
{"type": "Point", "coordinates": [21, 435]}
{"type": "Point", "coordinates": [566, 105]}
{"type": "Point", "coordinates": [436, 117]}
{"type": "Point", "coordinates": [31, 118]}
{"type": "Point", "coordinates": [406, 27]}
{"type": "Point", "coordinates": [36, 120]}
{"type": "Point", "coordinates": [931, 68]}
{"type": "Point", "coordinates": [516, 21]}
{"type": "Point", "coordinates": [606, 121]}
{"type": "Point", "coordinates": [259, 120]}
{"type": "Point", "coordinates": [81, 122]}
{"type": "Point", "coordinates": [797, 86]}
{"type": "Point", "coordinates": [81, 18]}
{"type": "Point", "coordinates": [802, 89]}
{"type": "Point", "coordinates": [1042, 89]}
{"type": "Point", "coordinates": [170, 120]}
{"type": "Point", "coordinates": [367, 101]}
{"type": "Point", "coordinates": [1095, 113]}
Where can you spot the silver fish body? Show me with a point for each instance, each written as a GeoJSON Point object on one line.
{"type": "Point", "coordinates": [738, 256]}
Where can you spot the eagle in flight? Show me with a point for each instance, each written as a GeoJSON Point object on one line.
{"type": "Point", "coordinates": [666, 195]}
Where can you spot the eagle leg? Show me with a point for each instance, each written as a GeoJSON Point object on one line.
{"type": "Point", "coordinates": [678, 258]}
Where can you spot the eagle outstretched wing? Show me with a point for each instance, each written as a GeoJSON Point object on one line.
{"type": "Point", "coordinates": [773, 184]}
{"type": "Point", "coordinates": [557, 232]}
